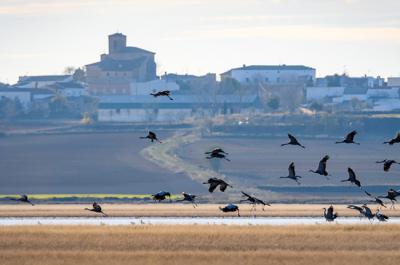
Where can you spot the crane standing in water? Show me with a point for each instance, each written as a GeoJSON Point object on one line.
{"type": "Point", "coordinates": [329, 215]}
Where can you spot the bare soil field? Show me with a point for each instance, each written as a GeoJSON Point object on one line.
{"type": "Point", "coordinates": [175, 210]}
{"type": "Point", "coordinates": [261, 161]}
{"type": "Point", "coordinates": [324, 244]}
{"type": "Point", "coordinates": [85, 163]}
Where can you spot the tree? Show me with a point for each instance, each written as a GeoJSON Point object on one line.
{"type": "Point", "coordinates": [8, 108]}
{"type": "Point", "coordinates": [357, 105]}
{"type": "Point", "coordinates": [274, 103]}
{"type": "Point", "coordinates": [333, 81]}
{"type": "Point", "coordinates": [230, 86]}
{"type": "Point", "coordinates": [58, 104]}
{"type": "Point", "coordinates": [79, 75]}
{"type": "Point", "coordinates": [69, 70]}
{"type": "Point", "coordinates": [316, 106]}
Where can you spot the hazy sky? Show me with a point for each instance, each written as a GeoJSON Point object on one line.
{"type": "Point", "coordinates": [200, 36]}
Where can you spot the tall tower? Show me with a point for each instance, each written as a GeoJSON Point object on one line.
{"type": "Point", "coordinates": [116, 42]}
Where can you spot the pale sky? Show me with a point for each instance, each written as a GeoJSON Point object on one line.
{"type": "Point", "coordinates": [199, 36]}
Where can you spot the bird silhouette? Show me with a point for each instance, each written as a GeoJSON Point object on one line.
{"type": "Point", "coordinates": [214, 182]}
{"type": "Point", "coordinates": [376, 199]}
{"type": "Point", "coordinates": [230, 208]}
{"type": "Point", "coordinates": [321, 170]}
{"type": "Point", "coordinates": [357, 208]}
{"type": "Point", "coordinates": [293, 141]}
{"type": "Point", "coordinates": [394, 140]}
{"type": "Point", "coordinates": [23, 198]}
{"type": "Point", "coordinates": [216, 151]}
{"type": "Point", "coordinates": [217, 155]}
{"type": "Point", "coordinates": [380, 216]}
{"type": "Point", "coordinates": [165, 93]}
{"type": "Point", "coordinates": [329, 214]}
{"type": "Point", "coordinates": [152, 136]}
{"type": "Point", "coordinates": [254, 201]}
{"type": "Point", "coordinates": [367, 212]}
{"type": "Point", "coordinates": [349, 138]}
{"type": "Point", "coordinates": [387, 164]}
{"type": "Point", "coordinates": [190, 198]}
{"type": "Point", "coordinates": [96, 208]}
{"type": "Point", "coordinates": [364, 210]}
{"type": "Point", "coordinates": [391, 195]}
{"type": "Point", "coordinates": [162, 195]}
{"type": "Point", "coordinates": [292, 174]}
{"type": "Point", "coordinates": [352, 178]}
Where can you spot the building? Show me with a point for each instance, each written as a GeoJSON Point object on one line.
{"type": "Point", "coordinates": [393, 82]}
{"type": "Point", "coordinates": [323, 94]}
{"type": "Point", "coordinates": [122, 65]}
{"type": "Point", "coordinates": [20, 94]}
{"type": "Point", "coordinates": [348, 81]}
{"type": "Point", "coordinates": [193, 83]}
{"type": "Point", "coordinates": [145, 88]}
{"type": "Point", "coordinates": [41, 81]}
{"type": "Point", "coordinates": [272, 74]}
{"type": "Point", "coordinates": [183, 107]}
{"type": "Point", "coordinates": [352, 93]}
{"type": "Point", "coordinates": [69, 89]}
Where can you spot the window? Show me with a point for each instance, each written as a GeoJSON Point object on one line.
{"type": "Point", "coordinates": [118, 111]}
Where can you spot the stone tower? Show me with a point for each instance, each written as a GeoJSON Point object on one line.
{"type": "Point", "coordinates": [116, 43]}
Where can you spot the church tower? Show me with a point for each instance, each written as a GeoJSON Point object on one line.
{"type": "Point", "coordinates": [116, 43]}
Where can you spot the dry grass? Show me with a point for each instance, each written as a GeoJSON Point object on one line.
{"type": "Point", "coordinates": [324, 244]}
{"type": "Point", "coordinates": [172, 209]}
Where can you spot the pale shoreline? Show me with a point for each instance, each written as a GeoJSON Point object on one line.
{"type": "Point", "coordinates": [178, 210]}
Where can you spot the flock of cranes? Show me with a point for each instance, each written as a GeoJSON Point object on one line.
{"type": "Point", "coordinates": [214, 183]}
{"type": "Point", "coordinates": [364, 210]}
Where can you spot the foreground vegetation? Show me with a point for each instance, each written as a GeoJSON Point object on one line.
{"type": "Point", "coordinates": [324, 244]}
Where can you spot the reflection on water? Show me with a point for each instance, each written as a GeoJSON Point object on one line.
{"type": "Point", "coordinates": [183, 221]}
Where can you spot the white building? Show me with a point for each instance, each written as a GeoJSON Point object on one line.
{"type": "Point", "coordinates": [390, 92]}
{"type": "Point", "coordinates": [381, 99]}
{"type": "Point", "coordinates": [24, 96]}
{"type": "Point", "coordinates": [271, 74]}
{"type": "Point", "coordinates": [393, 81]}
{"type": "Point", "coordinates": [390, 104]}
{"type": "Point", "coordinates": [70, 89]}
{"type": "Point", "coordinates": [42, 81]}
{"type": "Point", "coordinates": [146, 108]}
{"type": "Point", "coordinates": [145, 88]}
{"type": "Point", "coordinates": [321, 93]}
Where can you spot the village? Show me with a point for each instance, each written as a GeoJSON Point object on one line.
{"type": "Point", "coordinates": [117, 89]}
